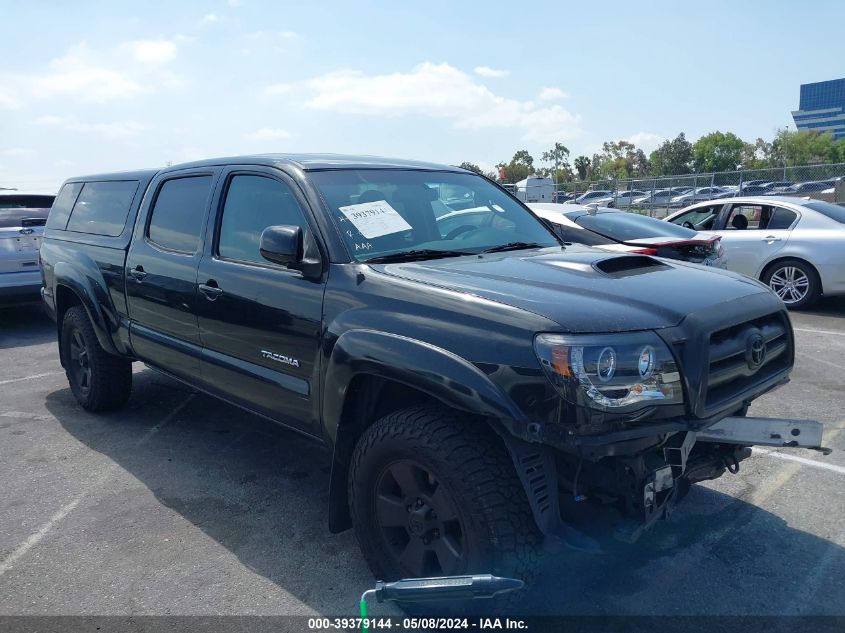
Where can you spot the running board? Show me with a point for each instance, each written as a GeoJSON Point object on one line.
{"type": "Point", "coordinates": [765, 432]}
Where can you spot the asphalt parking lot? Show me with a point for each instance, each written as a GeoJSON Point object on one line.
{"type": "Point", "coordinates": [180, 505]}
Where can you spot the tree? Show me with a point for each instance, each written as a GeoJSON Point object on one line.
{"type": "Point", "coordinates": [582, 165]}
{"type": "Point", "coordinates": [521, 166]}
{"type": "Point", "coordinates": [672, 157]}
{"type": "Point", "coordinates": [806, 147]}
{"type": "Point", "coordinates": [759, 155]}
{"type": "Point", "coordinates": [620, 159]}
{"type": "Point", "coordinates": [558, 158]}
{"type": "Point", "coordinates": [717, 151]}
{"type": "Point", "coordinates": [471, 167]}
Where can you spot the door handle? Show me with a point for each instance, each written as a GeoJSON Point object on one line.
{"type": "Point", "coordinates": [211, 290]}
{"type": "Point", "coordinates": [138, 273]}
{"type": "Point", "coordinates": [771, 238]}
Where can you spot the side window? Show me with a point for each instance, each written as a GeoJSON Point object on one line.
{"type": "Point", "coordinates": [781, 219]}
{"type": "Point", "coordinates": [178, 213]}
{"type": "Point", "coordinates": [702, 218]}
{"type": "Point", "coordinates": [745, 217]}
{"type": "Point", "coordinates": [62, 205]}
{"type": "Point", "coordinates": [102, 207]}
{"type": "Point", "coordinates": [252, 204]}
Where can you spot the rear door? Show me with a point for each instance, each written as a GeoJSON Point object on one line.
{"type": "Point", "coordinates": [765, 234]}
{"type": "Point", "coordinates": [161, 272]}
{"type": "Point", "coordinates": [260, 322]}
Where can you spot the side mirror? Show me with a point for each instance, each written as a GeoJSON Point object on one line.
{"type": "Point", "coordinates": [282, 245]}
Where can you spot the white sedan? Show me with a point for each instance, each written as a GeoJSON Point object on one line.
{"type": "Point", "coordinates": [795, 245]}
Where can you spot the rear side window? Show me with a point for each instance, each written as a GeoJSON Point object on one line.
{"type": "Point", "coordinates": [102, 207]}
{"type": "Point", "coordinates": [781, 219]}
{"type": "Point", "coordinates": [178, 213]}
{"type": "Point", "coordinates": [60, 212]}
{"type": "Point", "coordinates": [252, 204]}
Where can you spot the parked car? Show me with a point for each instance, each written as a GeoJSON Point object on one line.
{"type": "Point", "coordinates": [562, 196]}
{"type": "Point", "coordinates": [808, 187]}
{"type": "Point", "coordinates": [658, 197]}
{"type": "Point", "coordinates": [702, 193]}
{"type": "Point", "coordinates": [630, 232]}
{"type": "Point", "coordinates": [624, 199]}
{"type": "Point", "coordinates": [461, 383]}
{"type": "Point", "coordinates": [750, 190]}
{"type": "Point", "coordinates": [795, 246]}
{"type": "Point", "coordinates": [778, 185]}
{"type": "Point", "coordinates": [594, 196]}
{"type": "Point", "coordinates": [22, 219]}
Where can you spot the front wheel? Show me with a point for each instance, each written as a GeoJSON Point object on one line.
{"type": "Point", "coordinates": [795, 282]}
{"type": "Point", "coordinates": [434, 494]}
{"type": "Point", "coordinates": [98, 380]}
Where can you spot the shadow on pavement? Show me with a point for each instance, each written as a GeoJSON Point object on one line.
{"type": "Point", "coordinates": [261, 492]}
{"type": "Point", "coordinates": [26, 324]}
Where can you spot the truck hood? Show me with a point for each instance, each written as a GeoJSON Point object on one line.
{"type": "Point", "coordinates": [584, 289]}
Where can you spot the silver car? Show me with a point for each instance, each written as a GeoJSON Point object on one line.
{"type": "Point", "coordinates": [22, 219]}
{"type": "Point", "coordinates": [795, 245]}
{"type": "Point", "coordinates": [702, 193]}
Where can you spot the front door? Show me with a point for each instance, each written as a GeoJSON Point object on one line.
{"type": "Point", "coordinates": [161, 273]}
{"type": "Point", "coordinates": [260, 322]}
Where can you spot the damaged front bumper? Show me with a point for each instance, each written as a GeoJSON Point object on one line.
{"type": "Point", "coordinates": [646, 485]}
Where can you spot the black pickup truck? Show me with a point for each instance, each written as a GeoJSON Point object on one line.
{"type": "Point", "coordinates": [471, 375]}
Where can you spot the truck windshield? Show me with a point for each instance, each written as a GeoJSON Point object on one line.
{"type": "Point", "coordinates": [386, 212]}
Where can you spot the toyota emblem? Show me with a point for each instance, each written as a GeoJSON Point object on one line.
{"type": "Point", "coordinates": [755, 350]}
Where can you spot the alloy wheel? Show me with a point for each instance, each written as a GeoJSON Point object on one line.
{"type": "Point", "coordinates": [790, 283]}
{"type": "Point", "coordinates": [419, 521]}
{"type": "Point", "coordinates": [80, 362]}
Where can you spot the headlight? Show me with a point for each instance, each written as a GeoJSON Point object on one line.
{"type": "Point", "coordinates": [610, 371]}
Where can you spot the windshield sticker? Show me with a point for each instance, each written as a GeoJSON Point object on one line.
{"type": "Point", "coordinates": [374, 219]}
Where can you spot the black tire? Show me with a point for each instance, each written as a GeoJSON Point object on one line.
{"type": "Point", "coordinates": [454, 461]}
{"type": "Point", "coordinates": [806, 288]}
{"type": "Point", "coordinates": [99, 380]}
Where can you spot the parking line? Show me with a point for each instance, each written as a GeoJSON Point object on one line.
{"type": "Point", "coordinates": [66, 509]}
{"type": "Point", "coordinates": [820, 360]}
{"type": "Point", "coordinates": [33, 377]}
{"type": "Point", "coordinates": [801, 460]}
{"type": "Point", "coordinates": [798, 329]}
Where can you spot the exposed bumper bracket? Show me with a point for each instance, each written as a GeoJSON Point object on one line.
{"type": "Point", "coordinates": [764, 432]}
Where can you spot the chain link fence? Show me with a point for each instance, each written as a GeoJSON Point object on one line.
{"type": "Point", "coordinates": [659, 196]}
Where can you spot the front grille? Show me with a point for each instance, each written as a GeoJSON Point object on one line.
{"type": "Point", "coordinates": [738, 362]}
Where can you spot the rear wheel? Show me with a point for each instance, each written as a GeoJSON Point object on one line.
{"type": "Point", "coordinates": [432, 494]}
{"type": "Point", "coordinates": [98, 380]}
{"type": "Point", "coordinates": [795, 282]}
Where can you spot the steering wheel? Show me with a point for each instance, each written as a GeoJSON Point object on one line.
{"type": "Point", "coordinates": [688, 225]}
{"type": "Point", "coordinates": [464, 228]}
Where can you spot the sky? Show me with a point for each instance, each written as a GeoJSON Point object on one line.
{"type": "Point", "coordinates": [97, 87]}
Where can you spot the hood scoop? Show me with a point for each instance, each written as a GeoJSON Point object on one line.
{"type": "Point", "coordinates": [628, 265]}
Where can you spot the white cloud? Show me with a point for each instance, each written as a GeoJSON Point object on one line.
{"type": "Point", "coordinates": [486, 71]}
{"type": "Point", "coordinates": [152, 51]}
{"type": "Point", "coordinates": [115, 130]}
{"type": "Point", "coordinates": [86, 75]}
{"type": "Point", "coordinates": [209, 19]}
{"type": "Point", "coordinates": [646, 141]}
{"type": "Point", "coordinates": [552, 94]}
{"type": "Point", "coordinates": [269, 134]}
{"type": "Point", "coordinates": [442, 91]}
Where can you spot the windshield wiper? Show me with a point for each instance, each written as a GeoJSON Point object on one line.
{"type": "Point", "coordinates": [414, 255]}
{"type": "Point", "coordinates": [512, 246]}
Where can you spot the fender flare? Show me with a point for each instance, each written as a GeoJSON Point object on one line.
{"type": "Point", "coordinates": [93, 296]}
{"type": "Point", "coordinates": [415, 363]}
